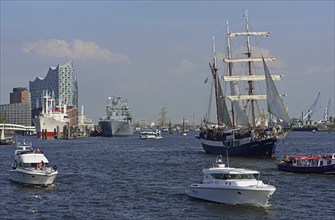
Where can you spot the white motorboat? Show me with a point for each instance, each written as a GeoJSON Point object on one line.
{"type": "Point", "coordinates": [235, 186]}
{"type": "Point", "coordinates": [151, 134]}
{"type": "Point", "coordinates": [31, 166]}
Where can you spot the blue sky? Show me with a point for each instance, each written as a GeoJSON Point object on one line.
{"type": "Point", "coordinates": [157, 53]}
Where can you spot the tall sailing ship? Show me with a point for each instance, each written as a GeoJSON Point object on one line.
{"type": "Point", "coordinates": [118, 119]}
{"type": "Point", "coordinates": [244, 129]}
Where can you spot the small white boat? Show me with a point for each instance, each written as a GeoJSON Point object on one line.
{"type": "Point", "coordinates": [31, 166]}
{"type": "Point", "coordinates": [235, 186]}
{"type": "Point", "coordinates": [151, 134]}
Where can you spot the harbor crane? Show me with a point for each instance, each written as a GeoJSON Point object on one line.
{"type": "Point", "coordinates": [311, 109]}
{"type": "Point", "coordinates": [326, 113]}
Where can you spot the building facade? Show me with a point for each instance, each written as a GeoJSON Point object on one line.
{"type": "Point", "coordinates": [19, 110]}
{"type": "Point", "coordinates": [19, 95]}
{"type": "Point", "coordinates": [60, 80]}
{"type": "Point", "coordinates": [17, 113]}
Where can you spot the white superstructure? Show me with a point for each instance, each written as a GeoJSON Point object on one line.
{"type": "Point", "coordinates": [118, 119]}
{"type": "Point", "coordinates": [151, 134]}
{"type": "Point", "coordinates": [51, 119]}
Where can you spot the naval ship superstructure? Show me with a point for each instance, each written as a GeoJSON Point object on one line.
{"type": "Point", "coordinates": [118, 119]}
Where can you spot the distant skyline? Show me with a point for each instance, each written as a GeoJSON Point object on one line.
{"type": "Point", "coordinates": [156, 54]}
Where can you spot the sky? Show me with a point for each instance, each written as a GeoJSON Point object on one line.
{"type": "Point", "coordinates": [156, 53]}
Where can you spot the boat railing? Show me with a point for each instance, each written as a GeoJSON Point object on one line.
{"type": "Point", "coordinates": [271, 183]}
{"type": "Point", "coordinates": [260, 184]}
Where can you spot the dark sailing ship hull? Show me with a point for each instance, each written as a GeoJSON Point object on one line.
{"type": "Point", "coordinates": [259, 148]}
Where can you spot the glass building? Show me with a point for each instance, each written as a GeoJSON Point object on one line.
{"type": "Point", "coordinates": [62, 81]}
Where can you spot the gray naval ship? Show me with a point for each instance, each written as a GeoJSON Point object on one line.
{"type": "Point", "coordinates": [118, 119]}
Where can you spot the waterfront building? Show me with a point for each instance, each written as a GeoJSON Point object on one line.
{"type": "Point", "coordinates": [60, 80]}
{"type": "Point", "coordinates": [19, 110]}
{"type": "Point", "coordinates": [19, 95]}
{"type": "Point", "coordinates": [17, 113]}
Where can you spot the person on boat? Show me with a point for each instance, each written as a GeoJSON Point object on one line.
{"type": "Point", "coordinates": [274, 131]}
{"type": "Point", "coordinates": [41, 165]}
{"type": "Point", "coordinates": [286, 159]}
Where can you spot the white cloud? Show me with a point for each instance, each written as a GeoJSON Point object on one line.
{"type": "Point", "coordinates": [317, 70]}
{"type": "Point", "coordinates": [77, 49]}
{"type": "Point", "coordinates": [183, 68]}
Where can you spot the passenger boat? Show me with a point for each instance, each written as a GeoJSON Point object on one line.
{"type": "Point", "coordinates": [31, 166]}
{"type": "Point", "coordinates": [309, 164]}
{"type": "Point", "coordinates": [229, 185]}
{"type": "Point", "coordinates": [244, 126]}
{"type": "Point", "coordinates": [151, 134]}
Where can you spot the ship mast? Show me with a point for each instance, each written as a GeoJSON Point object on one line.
{"type": "Point", "coordinates": [250, 83]}
{"type": "Point", "coordinates": [216, 82]}
{"type": "Point", "coordinates": [230, 72]}
{"type": "Point", "coordinates": [249, 77]}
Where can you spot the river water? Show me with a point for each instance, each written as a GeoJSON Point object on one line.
{"type": "Point", "coordinates": [129, 178]}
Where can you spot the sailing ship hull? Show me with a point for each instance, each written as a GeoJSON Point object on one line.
{"type": "Point", "coordinates": [258, 148]}
{"type": "Point", "coordinates": [115, 128]}
{"type": "Point", "coordinates": [305, 129]}
{"type": "Point", "coordinates": [48, 125]}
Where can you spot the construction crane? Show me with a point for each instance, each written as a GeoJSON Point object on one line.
{"type": "Point", "coordinates": [326, 113]}
{"type": "Point", "coordinates": [311, 109]}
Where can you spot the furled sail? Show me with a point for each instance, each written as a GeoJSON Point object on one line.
{"type": "Point", "coordinates": [249, 78]}
{"type": "Point", "coordinates": [275, 104]}
{"type": "Point", "coordinates": [249, 59]}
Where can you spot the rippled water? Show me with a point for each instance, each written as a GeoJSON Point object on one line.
{"type": "Point", "coordinates": [129, 178]}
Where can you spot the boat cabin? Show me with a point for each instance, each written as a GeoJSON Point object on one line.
{"type": "Point", "coordinates": [26, 157]}
{"type": "Point", "coordinates": [310, 160]}
{"type": "Point", "coordinates": [230, 176]}
{"type": "Point", "coordinates": [151, 134]}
